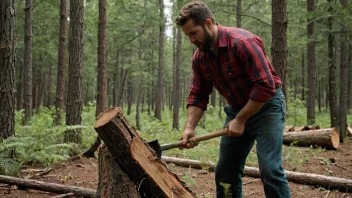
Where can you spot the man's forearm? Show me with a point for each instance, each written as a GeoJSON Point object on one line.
{"type": "Point", "coordinates": [251, 108]}
{"type": "Point", "coordinates": [194, 114]}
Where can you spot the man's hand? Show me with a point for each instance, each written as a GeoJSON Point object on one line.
{"type": "Point", "coordinates": [236, 127]}
{"type": "Point", "coordinates": [187, 133]}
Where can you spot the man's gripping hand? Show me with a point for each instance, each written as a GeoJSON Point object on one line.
{"type": "Point", "coordinates": [187, 133]}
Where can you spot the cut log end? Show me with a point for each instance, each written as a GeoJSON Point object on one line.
{"type": "Point", "coordinates": [105, 117]}
{"type": "Point", "coordinates": [335, 138]}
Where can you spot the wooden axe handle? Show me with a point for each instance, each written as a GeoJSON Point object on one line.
{"type": "Point", "coordinates": [200, 138]}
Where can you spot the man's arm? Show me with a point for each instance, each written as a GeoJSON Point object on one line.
{"type": "Point", "coordinates": [194, 114]}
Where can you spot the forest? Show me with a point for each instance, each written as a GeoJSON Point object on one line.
{"type": "Point", "coordinates": [64, 62]}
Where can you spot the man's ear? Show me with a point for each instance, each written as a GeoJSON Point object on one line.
{"type": "Point", "coordinates": [208, 23]}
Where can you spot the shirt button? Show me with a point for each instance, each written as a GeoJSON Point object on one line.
{"type": "Point", "coordinates": [228, 94]}
{"type": "Point", "coordinates": [230, 73]}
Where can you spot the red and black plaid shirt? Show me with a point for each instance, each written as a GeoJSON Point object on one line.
{"type": "Point", "coordinates": [240, 70]}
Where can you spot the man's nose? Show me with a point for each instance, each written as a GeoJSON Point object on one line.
{"type": "Point", "coordinates": [192, 39]}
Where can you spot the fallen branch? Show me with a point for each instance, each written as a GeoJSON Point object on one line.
{"type": "Point", "coordinates": [48, 187]}
{"type": "Point", "coordinates": [64, 195]}
{"type": "Point", "coordinates": [341, 184]}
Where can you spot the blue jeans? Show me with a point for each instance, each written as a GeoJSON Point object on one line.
{"type": "Point", "coordinates": [265, 127]}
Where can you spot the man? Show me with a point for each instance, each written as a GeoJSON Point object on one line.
{"type": "Point", "coordinates": [234, 61]}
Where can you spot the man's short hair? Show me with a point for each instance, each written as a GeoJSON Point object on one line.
{"type": "Point", "coordinates": [197, 11]}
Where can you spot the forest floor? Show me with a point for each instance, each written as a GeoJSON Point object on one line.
{"type": "Point", "coordinates": [84, 173]}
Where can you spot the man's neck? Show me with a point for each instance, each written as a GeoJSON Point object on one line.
{"type": "Point", "coordinates": [215, 32]}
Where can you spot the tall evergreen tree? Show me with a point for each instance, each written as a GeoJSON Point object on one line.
{"type": "Point", "coordinates": [61, 67]}
{"type": "Point", "coordinates": [311, 64]}
{"type": "Point", "coordinates": [7, 68]}
{"type": "Point", "coordinates": [279, 39]}
{"type": "Point", "coordinates": [74, 97]}
{"type": "Point", "coordinates": [332, 71]}
{"type": "Point", "coordinates": [343, 75]}
{"type": "Point", "coordinates": [27, 86]}
{"type": "Point", "coordinates": [159, 85]}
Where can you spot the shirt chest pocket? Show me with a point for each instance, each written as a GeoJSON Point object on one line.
{"type": "Point", "coordinates": [232, 73]}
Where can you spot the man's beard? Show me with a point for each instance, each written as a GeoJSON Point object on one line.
{"type": "Point", "coordinates": [208, 41]}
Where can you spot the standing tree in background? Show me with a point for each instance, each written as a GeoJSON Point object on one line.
{"type": "Point", "coordinates": [102, 79]}
{"type": "Point", "coordinates": [159, 85]}
{"type": "Point", "coordinates": [349, 104]}
{"type": "Point", "coordinates": [177, 86]}
{"type": "Point", "coordinates": [27, 85]}
{"type": "Point", "coordinates": [74, 97]}
{"type": "Point", "coordinates": [61, 67]}
{"type": "Point", "coordinates": [343, 74]}
{"type": "Point", "coordinates": [311, 64]}
{"type": "Point", "coordinates": [332, 71]}
{"type": "Point", "coordinates": [238, 13]}
{"type": "Point", "coordinates": [279, 40]}
{"type": "Point", "coordinates": [7, 68]}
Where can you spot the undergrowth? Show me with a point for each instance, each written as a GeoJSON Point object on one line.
{"type": "Point", "coordinates": [41, 142]}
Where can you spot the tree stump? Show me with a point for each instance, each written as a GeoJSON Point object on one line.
{"type": "Point", "coordinates": [113, 182]}
{"type": "Point", "coordinates": [137, 159]}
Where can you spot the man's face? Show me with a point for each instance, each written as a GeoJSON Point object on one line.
{"type": "Point", "coordinates": [199, 35]}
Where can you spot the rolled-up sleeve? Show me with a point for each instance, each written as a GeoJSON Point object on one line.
{"type": "Point", "coordinates": [257, 66]}
{"type": "Point", "coordinates": [200, 89]}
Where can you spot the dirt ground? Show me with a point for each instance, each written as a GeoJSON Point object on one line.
{"type": "Point", "coordinates": [84, 173]}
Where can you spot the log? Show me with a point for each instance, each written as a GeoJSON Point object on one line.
{"type": "Point", "coordinates": [47, 187]}
{"type": "Point", "coordinates": [113, 182]}
{"type": "Point", "coordinates": [341, 184]}
{"type": "Point", "coordinates": [327, 138]}
{"type": "Point", "coordinates": [137, 159]}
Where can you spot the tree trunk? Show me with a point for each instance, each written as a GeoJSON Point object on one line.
{"type": "Point", "coordinates": [28, 61]}
{"type": "Point", "coordinates": [137, 158]}
{"type": "Point", "coordinates": [332, 72]}
{"type": "Point", "coordinates": [19, 99]}
{"type": "Point", "coordinates": [61, 67]}
{"type": "Point", "coordinates": [47, 187]}
{"type": "Point", "coordinates": [327, 138]}
{"type": "Point", "coordinates": [102, 76]}
{"type": "Point", "coordinates": [279, 40]}
{"type": "Point", "coordinates": [48, 103]}
{"type": "Point", "coordinates": [343, 75]}
{"type": "Point", "coordinates": [341, 184]}
{"type": "Point", "coordinates": [159, 85]}
{"type": "Point", "coordinates": [238, 13]}
{"type": "Point", "coordinates": [350, 80]}
{"type": "Point", "coordinates": [311, 65]}
{"type": "Point", "coordinates": [177, 86]}
{"type": "Point", "coordinates": [7, 68]}
{"type": "Point", "coordinates": [303, 77]}
{"type": "Point", "coordinates": [113, 182]}
{"type": "Point", "coordinates": [74, 97]}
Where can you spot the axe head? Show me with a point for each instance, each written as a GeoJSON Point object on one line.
{"type": "Point", "coordinates": [156, 147]}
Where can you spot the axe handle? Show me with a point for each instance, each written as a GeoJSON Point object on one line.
{"type": "Point", "coordinates": [200, 138]}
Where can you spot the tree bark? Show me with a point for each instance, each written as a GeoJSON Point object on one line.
{"type": "Point", "coordinates": [350, 79]}
{"type": "Point", "coordinates": [238, 13]}
{"type": "Point", "coordinates": [343, 75]}
{"type": "Point", "coordinates": [177, 85]}
{"type": "Point", "coordinates": [113, 182]}
{"type": "Point", "coordinates": [328, 138]}
{"type": "Point", "coordinates": [7, 68]}
{"type": "Point", "coordinates": [28, 61]}
{"type": "Point", "coordinates": [279, 40]}
{"type": "Point", "coordinates": [74, 98]}
{"type": "Point", "coordinates": [47, 187]}
{"type": "Point", "coordinates": [137, 159]}
{"type": "Point", "coordinates": [159, 85]}
{"type": "Point", "coordinates": [102, 86]}
{"type": "Point", "coordinates": [311, 65]}
{"type": "Point", "coordinates": [341, 184]}
{"type": "Point", "coordinates": [303, 77]}
{"type": "Point", "coordinates": [61, 66]}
